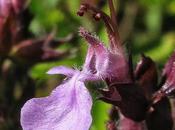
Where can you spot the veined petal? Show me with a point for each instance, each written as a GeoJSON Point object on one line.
{"type": "Point", "coordinates": [107, 64]}
{"type": "Point", "coordinates": [102, 59]}
{"type": "Point", "coordinates": [67, 108]}
{"type": "Point", "coordinates": [62, 70]}
{"type": "Point", "coordinates": [89, 65]}
{"type": "Point", "coordinates": [97, 48]}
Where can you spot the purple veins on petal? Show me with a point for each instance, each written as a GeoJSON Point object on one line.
{"type": "Point", "coordinates": [96, 47]}
{"type": "Point", "coordinates": [67, 108]}
{"type": "Point", "coordinates": [89, 65]}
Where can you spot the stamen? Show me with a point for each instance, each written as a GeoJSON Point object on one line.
{"type": "Point", "coordinates": [112, 12]}
{"type": "Point", "coordinates": [114, 20]}
{"type": "Point", "coordinates": [80, 13]}
{"type": "Point", "coordinates": [111, 27]}
{"type": "Point", "coordinates": [86, 7]}
{"type": "Point", "coordinates": [97, 16]}
{"type": "Point", "coordinates": [83, 7]}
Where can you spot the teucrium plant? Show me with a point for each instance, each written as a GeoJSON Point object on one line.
{"type": "Point", "coordinates": [136, 96]}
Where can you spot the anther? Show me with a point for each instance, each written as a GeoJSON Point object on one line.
{"type": "Point", "coordinates": [80, 13]}
{"type": "Point", "coordinates": [83, 7]}
{"type": "Point", "coordinates": [97, 16]}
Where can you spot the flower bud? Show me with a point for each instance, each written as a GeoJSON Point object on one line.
{"type": "Point", "coordinates": [36, 51]}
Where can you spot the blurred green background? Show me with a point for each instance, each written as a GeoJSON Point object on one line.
{"type": "Point", "coordinates": [145, 26]}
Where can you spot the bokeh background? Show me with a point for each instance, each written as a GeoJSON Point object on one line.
{"type": "Point", "coordinates": [145, 26]}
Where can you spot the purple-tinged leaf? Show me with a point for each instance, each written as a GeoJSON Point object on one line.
{"type": "Point", "coordinates": [133, 103]}
{"type": "Point", "coordinates": [146, 75]}
{"type": "Point", "coordinates": [168, 66]}
{"type": "Point", "coordinates": [168, 77]}
{"type": "Point", "coordinates": [39, 51]}
{"type": "Point", "coordinates": [67, 108]}
{"type": "Point", "coordinates": [169, 87]}
{"type": "Point", "coordinates": [142, 66]}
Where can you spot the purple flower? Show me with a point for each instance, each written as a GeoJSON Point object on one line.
{"type": "Point", "coordinates": [115, 67]}
{"type": "Point", "coordinates": [69, 105]}
{"type": "Point", "coordinates": [107, 62]}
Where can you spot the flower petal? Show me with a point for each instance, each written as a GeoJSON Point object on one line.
{"type": "Point", "coordinates": [107, 64]}
{"type": "Point", "coordinates": [101, 53]}
{"type": "Point", "coordinates": [67, 108]}
{"type": "Point", "coordinates": [62, 70]}
{"type": "Point", "coordinates": [89, 65]}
